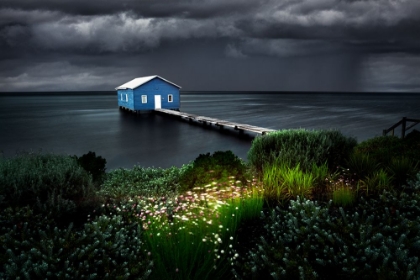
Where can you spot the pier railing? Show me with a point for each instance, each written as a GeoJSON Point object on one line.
{"type": "Point", "coordinates": [404, 126]}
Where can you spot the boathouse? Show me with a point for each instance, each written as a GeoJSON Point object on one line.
{"type": "Point", "coordinates": [148, 93]}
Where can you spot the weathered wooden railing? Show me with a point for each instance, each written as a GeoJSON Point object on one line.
{"type": "Point", "coordinates": [404, 126]}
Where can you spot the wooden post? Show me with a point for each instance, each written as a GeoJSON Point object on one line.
{"type": "Point", "coordinates": [403, 126]}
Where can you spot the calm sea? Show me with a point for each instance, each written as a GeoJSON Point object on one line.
{"type": "Point", "coordinates": [69, 123]}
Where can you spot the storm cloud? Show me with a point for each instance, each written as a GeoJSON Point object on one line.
{"type": "Point", "coordinates": [321, 45]}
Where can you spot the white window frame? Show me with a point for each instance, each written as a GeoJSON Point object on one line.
{"type": "Point", "coordinates": [126, 97]}
{"type": "Point", "coordinates": [170, 98]}
{"type": "Point", "coordinates": [144, 99]}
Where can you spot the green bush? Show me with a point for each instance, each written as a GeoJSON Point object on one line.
{"type": "Point", "coordinates": [302, 147]}
{"type": "Point", "coordinates": [207, 168]}
{"type": "Point", "coordinates": [412, 144]}
{"type": "Point", "coordinates": [362, 165]}
{"type": "Point", "coordinates": [93, 164]}
{"type": "Point", "coordinates": [402, 169]}
{"type": "Point", "coordinates": [385, 148]}
{"type": "Point", "coordinates": [399, 157]}
{"type": "Point", "coordinates": [375, 239]}
{"type": "Point", "coordinates": [140, 181]}
{"type": "Point", "coordinates": [105, 248]}
{"type": "Point", "coordinates": [43, 179]}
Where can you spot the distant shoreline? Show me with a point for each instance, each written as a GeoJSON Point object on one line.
{"type": "Point", "coordinates": [82, 93]}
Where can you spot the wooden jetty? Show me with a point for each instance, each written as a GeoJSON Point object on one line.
{"type": "Point", "coordinates": [217, 122]}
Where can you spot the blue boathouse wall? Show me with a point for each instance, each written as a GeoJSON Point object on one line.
{"type": "Point", "coordinates": [132, 98]}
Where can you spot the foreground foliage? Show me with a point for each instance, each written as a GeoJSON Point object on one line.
{"type": "Point", "coordinates": [55, 186]}
{"type": "Point", "coordinates": [201, 221]}
{"type": "Point", "coordinates": [106, 248]}
{"type": "Point", "coordinates": [378, 238]}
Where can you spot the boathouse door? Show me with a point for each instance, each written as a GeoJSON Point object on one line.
{"type": "Point", "coordinates": [158, 102]}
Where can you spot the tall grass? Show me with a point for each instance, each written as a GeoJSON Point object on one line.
{"type": "Point", "coordinates": [297, 182]}
{"type": "Point", "coordinates": [362, 165]}
{"type": "Point", "coordinates": [343, 196]}
{"type": "Point", "coordinates": [274, 188]}
{"type": "Point", "coordinates": [375, 183]}
{"type": "Point", "coordinates": [320, 175]}
{"type": "Point", "coordinates": [282, 182]}
{"type": "Point", "coordinates": [302, 147]}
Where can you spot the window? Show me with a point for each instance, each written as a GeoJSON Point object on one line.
{"type": "Point", "coordinates": [144, 99]}
{"type": "Point", "coordinates": [170, 98]}
{"type": "Point", "coordinates": [122, 97]}
{"type": "Point", "coordinates": [126, 97]}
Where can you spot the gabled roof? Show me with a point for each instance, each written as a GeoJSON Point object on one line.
{"type": "Point", "coordinates": [135, 83]}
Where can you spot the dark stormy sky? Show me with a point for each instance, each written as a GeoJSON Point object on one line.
{"type": "Point", "coordinates": [269, 45]}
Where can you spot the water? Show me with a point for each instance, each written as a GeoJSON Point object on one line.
{"type": "Point", "coordinates": [77, 123]}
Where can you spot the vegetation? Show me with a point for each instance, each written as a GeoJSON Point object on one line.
{"type": "Point", "coordinates": [207, 168]}
{"type": "Point", "coordinates": [93, 164]}
{"type": "Point", "coordinates": [303, 147]}
{"type": "Point", "coordinates": [376, 239]}
{"type": "Point", "coordinates": [309, 204]}
{"type": "Point", "coordinates": [140, 181]}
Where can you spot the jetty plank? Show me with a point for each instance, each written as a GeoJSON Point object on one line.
{"type": "Point", "coordinates": [218, 122]}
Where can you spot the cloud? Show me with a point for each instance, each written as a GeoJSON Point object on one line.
{"type": "Point", "coordinates": [344, 21]}
{"type": "Point", "coordinates": [232, 51]}
{"type": "Point", "coordinates": [10, 16]}
{"type": "Point", "coordinates": [138, 26]}
{"type": "Point", "coordinates": [123, 32]}
{"type": "Point", "coordinates": [63, 75]}
{"type": "Point", "coordinates": [128, 38]}
{"type": "Point", "coordinates": [196, 9]}
{"type": "Point", "coordinates": [398, 72]}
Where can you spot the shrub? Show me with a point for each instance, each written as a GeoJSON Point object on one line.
{"type": "Point", "coordinates": [302, 147]}
{"type": "Point", "coordinates": [93, 164]}
{"type": "Point", "coordinates": [382, 148]}
{"type": "Point", "coordinates": [43, 179]}
{"type": "Point", "coordinates": [412, 144]}
{"type": "Point", "coordinates": [362, 165]}
{"type": "Point", "coordinates": [105, 248]}
{"type": "Point", "coordinates": [140, 181]}
{"type": "Point", "coordinates": [402, 169]}
{"type": "Point", "coordinates": [375, 239]}
{"type": "Point", "coordinates": [216, 167]}
{"type": "Point", "coordinates": [413, 185]}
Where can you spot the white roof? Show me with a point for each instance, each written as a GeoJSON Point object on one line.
{"type": "Point", "coordinates": [135, 83]}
